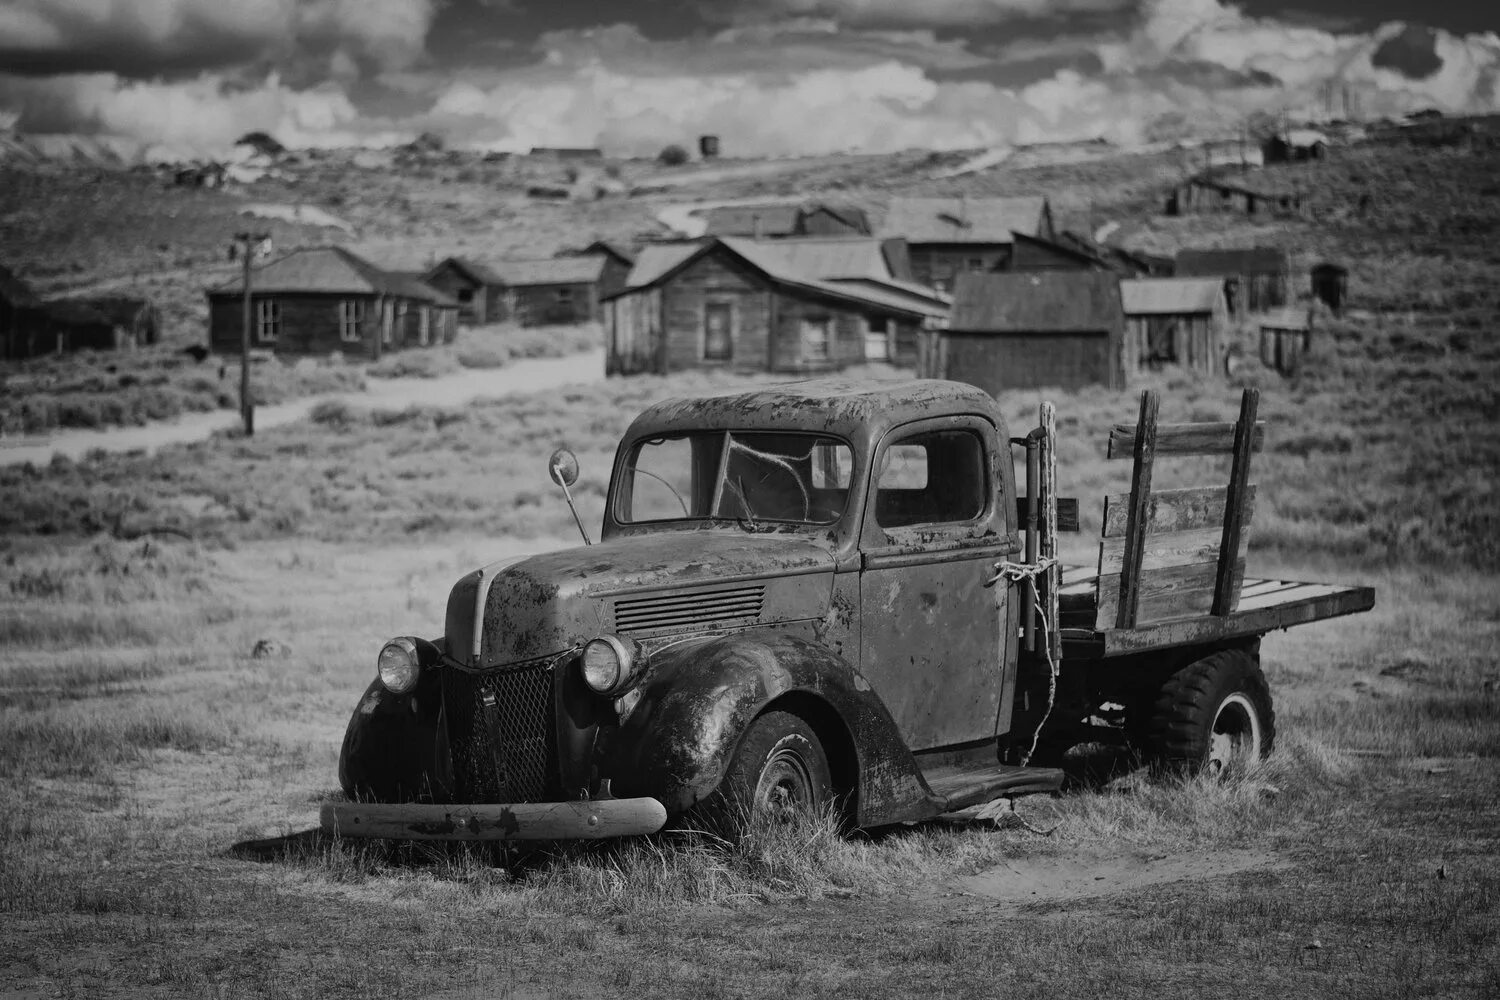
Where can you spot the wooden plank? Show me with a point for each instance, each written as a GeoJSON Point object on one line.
{"type": "Point", "coordinates": [1174, 510]}
{"type": "Point", "coordinates": [1295, 592]}
{"type": "Point", "coordinates": [1243, 622]}
{"type": "Point", "coordinates": [1067, 513]}
{"type": "Point", "coordinates": [1173, 548]}
{"type": "Point", "coordinates": [1164, 594]}
{"type": "Point", "coordinates": [1183, 439]}
{"type": "Point", "coordinates": [1226, 588]}
{"type": "Point", "coordinates": [1137, 516]}
{"type": "Point", "coordinates": [521, 821]}
{"type": "Point", "coordinates": [1260, 586]}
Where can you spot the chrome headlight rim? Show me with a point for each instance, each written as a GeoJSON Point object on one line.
{"type": "Point", "coordinates": [401, 677]}
{"type": "Point", "coordinates": [625, 655]}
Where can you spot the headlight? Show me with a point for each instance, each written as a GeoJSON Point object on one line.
{"type": "Point", "coordinates": [608, 663]}
{"type": "Point", "coordinates": [399, 665]}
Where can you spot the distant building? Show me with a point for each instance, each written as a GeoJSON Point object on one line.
{"type": "Point", "coordinates": [1285, 336]}
{"type": "Point", "coordinates": [31, 327]}
{"type": "Point", "coordinates": [1176, 322]}
{"type": "Point", "coordinates": [618, 260]}
{"type": "Point", "coordinates": [1028, 330]}
{"type": "Point", "coordinates": [568, 152]}
{"type": "Point", "coordinates": [1295, 146]}
{"type": "Point", "coordinates": [952, 236]}
{"type": "Point", "coordinates": [1239, 193]}
{"type": "Point", "coordinates": [795, 306]}
{"type": "Point", "coordinates": [1125, 263]}
{"type": "Point", "coordinates": [785, 221]}
{"type": "Point", "coordinates": [1330, 285]}
{"type": "Point", "coordinates": [24, 327]}
{"type": "Point", "coordinates": [1255, 278]}
{"type": "Point", "coordinates": [542, 292]}
{"type": "Point", "coordinates": [1034, 253]}
{"type": "Point", "coordinates": [326, 299]}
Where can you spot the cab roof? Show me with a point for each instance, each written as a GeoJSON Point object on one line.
{"type": "Point", "coordinates": [849, 408]}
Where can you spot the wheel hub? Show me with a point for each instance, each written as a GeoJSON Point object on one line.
{"type": "Point", "coordinates": [1236, 733]}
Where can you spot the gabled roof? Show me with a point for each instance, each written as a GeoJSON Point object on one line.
{"type": "Point", "coordinates": [963, 220]}
{"type": "Point", "coordinates": [1077, 253]}
{"type": "Point", "coordinates": [660, 261]}
{"type": "Point", "coordinates": [1036, 302]}
{"type": "Point", "coordinates": [328, 270]}
{"type": "Point", "coordinates": [1241, 260]}
{"type": "Point", "coordinates": [752, 220]}
{"type": "Point", "coordinates": [1171, 296]}
{"type": "Point", "coordinates": [1126, 262]}
{"type": "Point", "coordinates": [476, 272]}
{"type": "Point", "coordinates": [550, 271]}
{"type": "Point", "coordinates": [823, 257]}
{"type": "Point", "coordinates": [17, 292]}
{"type": "Point", "coordinates": [607, 247]}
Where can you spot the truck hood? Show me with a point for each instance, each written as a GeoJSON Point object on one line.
{"type": "Point", "coordinates": [644, 586]}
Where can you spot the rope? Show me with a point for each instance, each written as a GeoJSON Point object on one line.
{"type": "Point", "coordinates": [1015, 573]}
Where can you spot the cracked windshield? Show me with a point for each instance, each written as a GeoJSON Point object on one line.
{"type": "Point", "coordinates": [801, 478]}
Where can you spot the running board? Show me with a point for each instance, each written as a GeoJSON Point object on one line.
{"type": "Point", "coordinates": [961, 787]}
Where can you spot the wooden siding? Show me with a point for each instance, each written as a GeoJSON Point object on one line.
{"type": "Point", "coordinates": [1188, 340]}
{"type": "Point", "coordinates": [937, 265]}
{"type": "Point", "coordinates": [632, 333]}
{"type": "Point", "coordinates": [454, 283]}
{"type": "Point", "coordinates": [997, 362]}
{"type": "Point", "coordinates": [548, 305]}
{"type": "Point", "coordinates": [310, 324]}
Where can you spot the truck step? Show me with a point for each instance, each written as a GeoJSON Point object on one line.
{"type": "Point", "coordinates": [966, 785]}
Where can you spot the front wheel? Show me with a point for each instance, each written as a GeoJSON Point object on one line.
{"type": "Point", "coordinates": [779, 775]}
{"type": "Point", "coordinates": [1212, 714]}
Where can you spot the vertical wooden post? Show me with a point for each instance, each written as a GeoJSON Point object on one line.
{"type": "Point", "coordinates": [247, 405]}
{"type": "Point", "coordinates": [1139, 512]}
{"type": "Point", "coordinates": [1234, 504]}
{"type": "Point", "coordinates": [1049, 531]}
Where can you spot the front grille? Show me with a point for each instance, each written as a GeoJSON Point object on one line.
{"type": "Point", "coordinates": [500, 732]}
{"type": "Point", "coordinates": [699, 609]}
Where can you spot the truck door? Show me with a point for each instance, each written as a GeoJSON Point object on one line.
{"type": "Point", "coordinates": [934, 640]}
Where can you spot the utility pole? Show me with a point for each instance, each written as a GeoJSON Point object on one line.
{"type": "Point", "coordinates": [247, 244]}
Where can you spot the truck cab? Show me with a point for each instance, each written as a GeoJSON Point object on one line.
{"type": "Point", "coordinates": [812, 596]}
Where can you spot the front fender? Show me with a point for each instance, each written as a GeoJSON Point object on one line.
{"type": "Point", "coordinates": [699, 696]}
{"type": "Point", "coordinates": [395, 748]}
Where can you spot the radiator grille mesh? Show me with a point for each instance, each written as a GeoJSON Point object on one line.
{"type": "Point", "coordinates": [500, 731]}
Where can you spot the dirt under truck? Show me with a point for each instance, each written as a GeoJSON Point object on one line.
{"type": "Point", "coordinates": [829, 594]}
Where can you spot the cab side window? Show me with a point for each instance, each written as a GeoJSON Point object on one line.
{"type": "Point", "coordinates": [931, 478]}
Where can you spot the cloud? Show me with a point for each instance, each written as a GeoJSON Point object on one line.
{"type": "Point", "coordinates": [147, 38]}
{"type": "Point", "coordinates": [945, 13]}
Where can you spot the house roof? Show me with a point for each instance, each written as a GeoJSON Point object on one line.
{"type": "Point", "coordinates": [1288, 318]}
{"type": "Point", "coordinates": [550, 270]}
{"type": "Point", "coordinates": [963, 220]}
{"type": "Point", "coordinates": [330, 270]}
{"type": "Point", "coordinates": [1036, 302]}
{"type": "Point", "coordinates": [1170, 296]}
{"type": "Point", "coordinates": [114, 310]}
{"type": "Point", "coordinates": [473, 269]}
{"type": "Point", "coordinates": [1125, 261]}
{"type": "Point", "coordinates": [788, 263]}
{"type": "Point", "coordinates": [619, 251]}
{"type": "Point", "coordinates": [1241, 260]}
{"type": "Point", "coordinates": [751, 220]}
{"type": "Point", "coordinates": [17, 292]}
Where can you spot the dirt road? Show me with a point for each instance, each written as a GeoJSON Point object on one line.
{"type": "Point", "coordinates": [538, 375]}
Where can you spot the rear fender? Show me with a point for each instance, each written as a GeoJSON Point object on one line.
{"type": "Point", "coordinates": [699, 697]}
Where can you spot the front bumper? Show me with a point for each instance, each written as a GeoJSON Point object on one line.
{"type": "Point", "coordinates": [586, 820]}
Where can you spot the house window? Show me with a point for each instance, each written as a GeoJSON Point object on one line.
{"type": "Point", "coordinates": [877, 344]}
{"type": "Point", "coordinates": [718, 331]}
{"type": "Point", "coordinates": [817, 331]}
{"type": "Point", "coordinates": [466, 295]}
{"type": "Point", "coordinates": [351, 317]}
{"type": "Point", "coordinates": [976, 263]}
{"type": "Point", "coordinates": [267, 321]}
{"type": "Point", "coordinates": [564, 296]}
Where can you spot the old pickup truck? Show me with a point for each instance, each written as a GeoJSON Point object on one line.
{"type": "Point", "coordinates": [829, 595]}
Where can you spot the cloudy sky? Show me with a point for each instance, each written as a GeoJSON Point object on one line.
{"type": "Point", "coordinates": [769, 76]}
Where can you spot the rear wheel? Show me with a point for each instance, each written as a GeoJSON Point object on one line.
{"type": "Point", "coordinates": [779, 774]}
{"type": "Point", "coordinates": [1212, 714]}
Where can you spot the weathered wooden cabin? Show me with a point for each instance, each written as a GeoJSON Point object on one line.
{"type": "Point", "coordinates": [31, 327]}
{"type": "Point", "coordinates": [785, 221]}
{"type": "Point", "coordinates": [326, 299]}
{"type": "Point", "coordinates": [1028, 330]}
{"type": "Point", "coordinates": [1035, 253]}
{"type": "Point", "coordinates": [793, 306]}
{"type": "Point", "coordinates": [548, 291]}
{"type": "Point", "coordinates": [947, 237]}
{"type": "Point", "coordinates": [1255, 278]}
{"type": "Point", "coordinates": [1295, 146]}
{"type": "Point", "coordinates": [1285, 336]}
{"type": "Point", "coordinates": [1174, 322]}
{"type": "Point", "coordinates": [1125, 263]}
{"type": "Point", "coordinates": [24, 329]}
{"type": "Point", "coordinates": [618, 260]}
{"type": "Point", "coordinates": [1239, 193]}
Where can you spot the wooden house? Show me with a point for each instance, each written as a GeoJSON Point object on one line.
{"type": "Point", "coordinates": [785, 221]}
{"type": "Point", "coordinates": [24, 328]}
{"type": "Point", "coordinates": [326, 299]}
{"type": "Point", "coordinates": [618, 260]}
{"type": "Point", "coordinates": [1174, 322]}
{"type": "Point", "coordinates": [795, 306]}
{"type": "Point", "coordinates": [1030, 329]}
{"type": "Point", "coordinates": [1255, 278]}
{"type": "Point", "coordinates": [103, 323]}
{"type": "Point", "coordinates": [1125, 263]}
{"type": "Point", "coordinates": [1295, 146]}
{"type": "Point", "coordinates": [1238, 193]}
{"type": "Point", "coordinates": [1285, 336]}
{"type": "Point", "coordinates": [947, 237]}
{"type": "Point", "coordinates": [1035, 253]}
{"type": "Point", "coordinates": [543, 292]}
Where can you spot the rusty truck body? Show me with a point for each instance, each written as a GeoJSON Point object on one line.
{"type": "Point", "coordinates": [828, 594]}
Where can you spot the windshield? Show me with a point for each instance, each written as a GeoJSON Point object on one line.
{"type": "Point", "coordinates": [801, 478]}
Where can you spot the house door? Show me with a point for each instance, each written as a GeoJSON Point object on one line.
{"type": "Point", "coordinates": [877, 347]}
{"type": "Point", "coordinates": [718, 331]}
{"type": "Point", "coordinates": [935, 642]}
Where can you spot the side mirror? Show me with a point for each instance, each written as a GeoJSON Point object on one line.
{"type": "Point", "coordinates": [563, 467]}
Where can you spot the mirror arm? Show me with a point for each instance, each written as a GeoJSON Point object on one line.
{"type": "Point", "coordinates": [568, 494]}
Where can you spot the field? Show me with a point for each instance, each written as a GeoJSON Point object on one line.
{"type": "Point", "coordinates": [158, 777]}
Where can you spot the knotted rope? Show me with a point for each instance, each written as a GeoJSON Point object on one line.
{"type": "Point", "coordinates": [1014, 572]}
